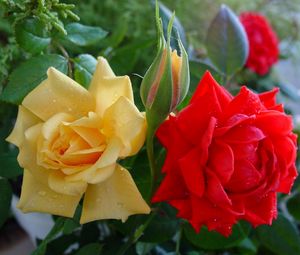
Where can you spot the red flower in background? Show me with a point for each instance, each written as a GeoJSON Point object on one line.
{"type": "Point", "coordinates": [263, 42]}
{"type": "Point", "coordinates": [227, 157]}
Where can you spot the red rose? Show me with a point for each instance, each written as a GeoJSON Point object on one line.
{"type": "Point", "coordinates": [263, 42]}
{"type": "Point", "coordinates": [227, 157]}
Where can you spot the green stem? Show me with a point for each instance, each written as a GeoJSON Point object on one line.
{"type": "Point", "coordinates": [136, 235]}
{"type": "Point", "coordinates": [151, 159]}
{"type": "Point", "coordinates": [66, 55]}
{"type": "Point", "coordinates": [177, 251]}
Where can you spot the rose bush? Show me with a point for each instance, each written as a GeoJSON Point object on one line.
{"type": "Point", "coordinates": [263, 42]}
{"type": "Point", "coordinates": [69, 140]}
{"type": "Point", "coordinates": [227, 157]}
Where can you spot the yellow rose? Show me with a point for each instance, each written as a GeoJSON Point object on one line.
{"type": "Point", "coordinates": [69, 140]}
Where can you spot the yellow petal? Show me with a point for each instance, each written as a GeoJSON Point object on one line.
{"type": "Point", "coordinates": [27, 157]}
{"type": "Point", "coordinates": [102, 70]}
{"type": "Point", "coordinates": [50, 127]}
{"type": "Point", "coordinates": [59, 93]}
{"type": "Point", "coordinates": [107, 88]}
{"type": "Point", "coordinates": [116, 198]}
{"type": "Point", "coordinates": [123, 120]}
{"type": "Point", "coordinates": [37, 197]}
{"type": "Point", "coordinates": [89, 129]}
{"type": "Point", "coordinates": [101, 168]}
{"type": "Point", "coordinates": [25, 119]}
{"type": "Point", "coordinates": [58, 183]}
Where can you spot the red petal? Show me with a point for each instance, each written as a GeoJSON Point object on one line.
{"type": "Point", "coordinates": [244, 178]}
{"type": "Point", "coordinates": [262, 212]}
{"type": "Point", "coordinates": [184, 208]}
{"type": "Point", "coordinates": [192, 172]}
{"type": "Point", "coordinates": [231, 122]}
{"type": "Point", "coordinates": [268, 98]}
{"type": "Point", "coordinates": [244, 134]}
{"type": "Point", "coordinates": [221, 161]}
{"type": "Point", "coordinates": [287, 182]}
{"type": "Point", "coordinates": [172, 187]}
{"type": "Point", "coordinates": [209, 88]}
{"type": "Point", "coordinates": [246, 102]}
{"type": "Point", "coordinates": [174, 141]}
{"type": "Point", "coordinates": [215, 191]}
{"type": "Point", "coordinates": [274, 123]}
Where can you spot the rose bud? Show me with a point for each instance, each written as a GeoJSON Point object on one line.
{"type": "Point", "coordinates": [166, 82]}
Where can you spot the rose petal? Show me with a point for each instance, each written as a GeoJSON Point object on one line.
{"type": "Point", "coordinates": [116, 198]}
{"type": "Point", "coordinates": [244, 134]}
{"type": "Point", "coordinates": [25, 119]}
{"type": "Point", "coordinates": [268, 98]}
{"type": "Point", "coordinates": [215, 191]}
{"type": "Point", "coordinates": [123, 120]}
{"type": "Point", "coordinates": [245, 177]}
{"type": "Point", "coordinates": [262, 212]}
{"type": "Point", "coordinates": [192, 172]}
{"type": "Point", "coordinates": [171, 188]}
{"type": "Point", "coordinates": [107, 88]}
{"type": "Point", "coordinates": [208, 87]}
{"type": "Point", "coordinates": [59, 93]}
{"type": "Point", "coordinates": [287, 182]}
{"type": "Point", "coordinates": [274, 123]}
{"type": "Point", "coordinates": [221, 161]}
{"type": "Point", "coordinates": [109, 157]}
{"type": "Point", "coordinates": [246, 102]}
{"type": "Point", "coordinates": [233, 121]}
{"type": "Point", "coordinates": [27, 157]}
{"type": "Point", "coordinates": [58, 183]}
{"type": "Point", "coordinates": [37, 197]}
{"type": "Point", "coordinates": [174, 141]}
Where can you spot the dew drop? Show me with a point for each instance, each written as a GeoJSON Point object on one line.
{"type": "Point", "coordinates": [42, 193]}
{"type": "Point", "coordinates": [120, 204]}
{"type": "Point", "coordinates": [69, 109]}
{"type": "Point", "coordinates": [54, 100]}
{"type": "Point", "coordinates": [215, 220]}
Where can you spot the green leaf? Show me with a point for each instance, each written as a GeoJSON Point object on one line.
{"type": "Point", "coordinates": [226, 42]}
{"type": "Point", "coordinates": [163, 226]}
{"type": "Point", "coordinates": [56, 229]}
{"type": "Point", "coordinates": [92, 248]}
{"type": "Point", "coordinates": [71, 224]}
{"type": "Point", "coordinates": [30, 74]}
{"type": "Point", "coordinates": [85, 66]}
{"type": "Point", "coordinates": [144, 248]}
{"type": "Point", "coordinates": [82, 35]}
{"type": "Point", "coordinates": [9, 165]}
{"type": "Point", "coordinates": [280, 238]}
{"type": "Point", "coordinates": [212, 240]}
{"type": "Point", "coordinates": [31, 35]}
{"type": "Point", "coordinates": [293, 206]}
{"type": "Point", "coordinates": [197, 69]}
{"type": "Point", "coordinates": [5, 199]}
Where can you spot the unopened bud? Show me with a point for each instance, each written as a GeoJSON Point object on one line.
{"type": "Point", "coordinates": [166, 82]}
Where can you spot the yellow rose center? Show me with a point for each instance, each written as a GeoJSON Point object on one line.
{"type": "Point", "coordinates": [68, 143]}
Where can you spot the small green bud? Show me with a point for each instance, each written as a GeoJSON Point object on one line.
{"type": "Point", "coordinates": [166, 82]}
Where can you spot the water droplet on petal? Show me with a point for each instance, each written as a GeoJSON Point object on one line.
{"type": "Point", "coordinates": [42, 193]}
